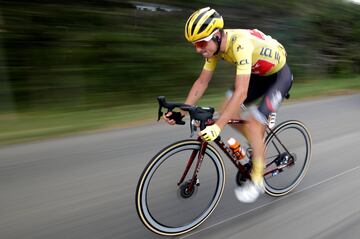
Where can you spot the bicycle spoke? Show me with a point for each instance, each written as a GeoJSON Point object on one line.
{"type": "Point", "coordinates": [276, 147]}
{"type": "Point", "coordinates": [269, 158]}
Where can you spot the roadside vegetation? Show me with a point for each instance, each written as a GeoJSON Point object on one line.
{"type": "Point", "coordinates": [69, 68]}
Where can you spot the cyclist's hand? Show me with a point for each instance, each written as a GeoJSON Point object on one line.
{"type": "Point", "coordinates": [172, 117]}
{"type": "Point", "coordinates": [210, 133]}
{"type": "Point", "coordinates": [167, 119]}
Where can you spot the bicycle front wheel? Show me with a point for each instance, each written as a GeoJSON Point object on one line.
{"type": "Point", "coordinates": [169, 209]}
{"type": "Point", "coordinates": [287, 156]}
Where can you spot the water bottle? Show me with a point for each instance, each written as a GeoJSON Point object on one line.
{"type": "Point", "coordinates": [238, 151]}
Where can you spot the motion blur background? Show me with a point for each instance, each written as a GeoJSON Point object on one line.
{"type": "Point", "coordinates": [68, 67]}
{"type": "Point", "coordinates": [89, 66]}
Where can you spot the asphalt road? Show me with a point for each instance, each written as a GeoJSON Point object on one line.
{"type": "Point", "coordinates": [83, 186]}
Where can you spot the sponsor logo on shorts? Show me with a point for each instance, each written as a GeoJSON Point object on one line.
{"type": "Point", "coordinates": [274, 101]}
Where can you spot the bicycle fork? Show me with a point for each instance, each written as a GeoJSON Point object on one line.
{"type": "Point", "coordinates": [198, 165]}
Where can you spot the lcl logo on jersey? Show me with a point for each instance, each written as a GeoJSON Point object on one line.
{"type": "Point", "coordinates": [266, 52]}
{"type": "Point", "coordinates": [269, 53]}
{"type": "Point", "coordinates": [244, 62]}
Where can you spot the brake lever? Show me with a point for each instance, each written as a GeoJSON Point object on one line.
{"type": "Point", "coordinates": [161, 101]}
{"type": "Point", "coordinates": [160, 113]}
{"type": "Point", "coordinates": [191, 127]}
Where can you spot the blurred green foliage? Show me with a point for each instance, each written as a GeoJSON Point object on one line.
{"type": "Point", "coordinates": [95, 54]}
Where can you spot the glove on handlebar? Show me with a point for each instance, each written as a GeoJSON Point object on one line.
{"type": "Point", "coordinates": [210, 133]}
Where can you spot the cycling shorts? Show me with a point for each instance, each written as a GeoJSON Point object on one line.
{"type": "Point", "coordinates": [272, 89]}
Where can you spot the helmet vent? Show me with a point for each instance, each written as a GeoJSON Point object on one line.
{"type": "Point", "coordinates": [196, 22]}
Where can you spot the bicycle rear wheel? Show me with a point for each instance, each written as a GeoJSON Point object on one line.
{"type": "Point", "coordinates": [287, 157]}
{"type": "Point", "coordinates": [167, 208]}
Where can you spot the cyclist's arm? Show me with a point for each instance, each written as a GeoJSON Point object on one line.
{"type": "Point", "coordinates": [238, 97]}
{"type": "Point", "coordinates": [195, 93]}
{"type": "Point", "coordinates": [242, 49]}
{"type": "Point", "coordinates": [198, 88]}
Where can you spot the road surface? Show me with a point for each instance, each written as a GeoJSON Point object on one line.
{"type": "Point", "coordinates": [83, 186]}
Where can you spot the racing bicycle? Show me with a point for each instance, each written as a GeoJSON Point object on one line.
{"type": "Point", "coordinates": [182, 185]}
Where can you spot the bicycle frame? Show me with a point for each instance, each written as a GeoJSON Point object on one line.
{"type": "Point", "coordinates": [201, 153]}
{"type": "Point", "coordinates": [228, 152]}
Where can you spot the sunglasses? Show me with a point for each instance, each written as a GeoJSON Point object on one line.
{"type": "Point", "coordinates": [201, 44]}
{"type": "Point", "coordinates": [205, 41]}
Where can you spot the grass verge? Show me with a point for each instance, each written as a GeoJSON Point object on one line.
{"type": "Point", "coordinates": [22, 127]}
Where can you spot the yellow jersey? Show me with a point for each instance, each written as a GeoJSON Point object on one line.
{"type": "Point", "coordinates": [251, 51]}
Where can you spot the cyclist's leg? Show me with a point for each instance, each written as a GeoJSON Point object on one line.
{"type": "Point", "coordinates": [255, 130]}
{"type": "Point", "coordinates": [236, 115]}
{"type": "Point", "coordinates": [273, 97]}
{"type": "Point", "coordinates": [257, 87]}
{"type": "Point", "coordinates": [259, 117]}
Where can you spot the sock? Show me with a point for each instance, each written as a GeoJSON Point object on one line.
{"type": "Point", "coordinates": [257, 171]}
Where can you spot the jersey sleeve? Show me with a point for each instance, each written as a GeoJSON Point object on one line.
{"type": "Point", "coordinates": [210, 63]}
{"type": "Point", "coordinates": [243, 50]}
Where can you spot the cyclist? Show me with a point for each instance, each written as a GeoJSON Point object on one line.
{"type": "Point", "coordinates": [261, 71]}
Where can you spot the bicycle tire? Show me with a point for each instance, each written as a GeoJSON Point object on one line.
{"type": "Point", "coordinates": [284, 185]}
{"type": "Point", "coordinates": [142, 197]}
